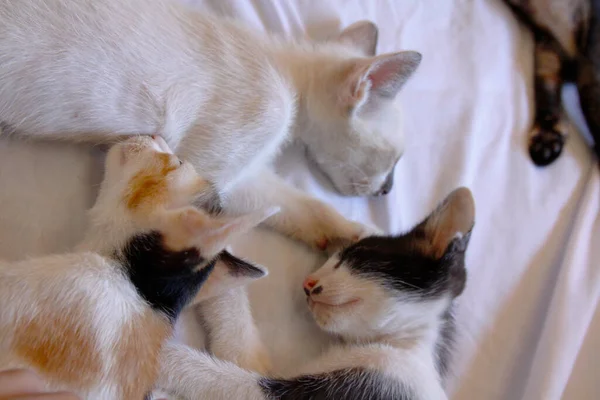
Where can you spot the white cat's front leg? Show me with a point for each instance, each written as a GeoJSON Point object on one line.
{"type": "Point", "coordinates": [301, 217]}
{"type": "Point", "coordinates": [231, 332]}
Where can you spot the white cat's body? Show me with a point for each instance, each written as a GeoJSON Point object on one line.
{"type": "Point", "coordinates": [225, 97]}
{"type": "Point", "coordinates": [100, 82]}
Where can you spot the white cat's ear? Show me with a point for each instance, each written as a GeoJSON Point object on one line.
{"type": "Point", "coordinates": [361, 35]}
{"type": "Point", "coordinates": [452, 219]}
{"type": "Point", "coordinates": [230, 272]}
{"type": "Point", "coordinates": [372, 80]}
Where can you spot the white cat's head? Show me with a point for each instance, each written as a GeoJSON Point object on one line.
{"type": "Point", "coordinates": [146, 197]}
{"type": "Point", "coordinates": [386, 284]}
{"type": "Point", "coordinates": [354, 127]}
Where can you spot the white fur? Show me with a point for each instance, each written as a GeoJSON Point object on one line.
{"type": "Point", "coordinates": [226, 97]}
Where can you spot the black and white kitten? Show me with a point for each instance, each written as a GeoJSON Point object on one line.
{"type": "Point", "coordinates": [388, 299]}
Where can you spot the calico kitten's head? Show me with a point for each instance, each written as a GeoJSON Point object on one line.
{"type": "Point", "coordinates": [355, 132]}
{"type": "Point", "coordinates": [382, 285]}
{"type": "Point", "coordinates": [147, 191]}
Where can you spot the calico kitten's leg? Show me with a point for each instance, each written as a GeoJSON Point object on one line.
{"type": "Point", "coordinates": [231, 332]}
{"type": "Point", "coordinates": [550, 128]}
{"type": "Point", "coordinates": [193, 375]}
{"type": "Point", "coordinates": [301, 217]}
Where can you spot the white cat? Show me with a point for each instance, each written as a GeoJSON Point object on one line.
{"type": "Point", "coordinates": [96, 320]}
{"type": "Point", "coordinates": [387, 298]}
{"type": "Point", "coordinates": [225, 97]}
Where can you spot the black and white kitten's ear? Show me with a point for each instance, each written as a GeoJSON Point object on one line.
{"type": "Point", "coordinates": [361, 35]}
{"type": "Point", "coordinates": [371, 81]}
{"type": "Point", "coordinates": [229, 272]}
{"type": "Point", "coordinates": [450, 223]}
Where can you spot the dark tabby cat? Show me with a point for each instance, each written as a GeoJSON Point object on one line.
{"type": "Point", "coordinates": [567, 48]}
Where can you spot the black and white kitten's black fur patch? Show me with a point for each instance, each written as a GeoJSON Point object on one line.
{"type": "Point", "coordinates": [389, 299]}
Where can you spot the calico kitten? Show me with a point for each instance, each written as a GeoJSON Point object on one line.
{"type": "Point", "coordinates": [95, 321]}
{"type": "Point", "coordinates": [388, 298]}
{"type": "Point", "coordinates": [567, 48]}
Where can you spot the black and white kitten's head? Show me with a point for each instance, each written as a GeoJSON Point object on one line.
{"type": "Point", "coordinates": [384, 285]}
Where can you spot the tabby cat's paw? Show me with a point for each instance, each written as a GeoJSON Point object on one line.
{"type": "Point", "coordinates": [546, 144]}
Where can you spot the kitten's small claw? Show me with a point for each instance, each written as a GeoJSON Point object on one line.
{"type": "Point", "coordinates": [546, 145]}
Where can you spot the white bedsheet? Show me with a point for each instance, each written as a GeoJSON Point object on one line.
{"type": "Point", "coordinates": [529, 321]}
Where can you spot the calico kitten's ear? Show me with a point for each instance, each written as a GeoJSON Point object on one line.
{"type": "Point", "coordinates": [452, 219]}
{"type": "Point", "coordinates": [229, 272]}
{"type": "Point", "coordinates": [189, 226]}
{"type": "Point", "coordinates": [361, 35]}
{"type": "Point", "coordinates": [218, 232]}
{"type": "Point", "coordinates": [371, 80]}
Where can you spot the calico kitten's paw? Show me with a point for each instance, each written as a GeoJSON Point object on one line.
{"type": "Point", "coordinates": [546, 145]}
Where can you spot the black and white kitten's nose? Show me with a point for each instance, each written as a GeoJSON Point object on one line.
{"type": "Point", "coordinates": [310, 286]}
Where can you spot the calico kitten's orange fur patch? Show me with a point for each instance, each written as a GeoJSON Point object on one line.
{"type": "Point", "coordinates": [62, 346]}
{"type": "Point", "coordinates": [150, 186]}
{"type": "Point", "coordinates": [138, 360]}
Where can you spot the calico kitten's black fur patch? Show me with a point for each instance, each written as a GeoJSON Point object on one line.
{"type": "Point", "coordinates": [401, 265]}
{"type": "Point", "coordinates": [239, 267]}
{"type": "Point", "coordinates": [345, 384]}
{"type": "Point", "coordinates": [166, 279]}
